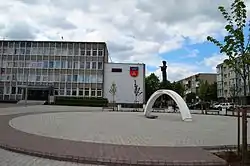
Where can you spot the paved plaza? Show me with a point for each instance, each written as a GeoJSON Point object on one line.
{"type": "Point", "coordinates": [110, 130]}
{"type": "Point", "coordinates": [126, 128]}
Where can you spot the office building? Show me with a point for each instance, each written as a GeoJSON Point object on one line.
{"type": "Point", "coordinates": [58, 67]}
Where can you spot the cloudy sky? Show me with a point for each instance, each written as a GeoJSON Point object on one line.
{"type": "Point", "coordinates": [145, 31]}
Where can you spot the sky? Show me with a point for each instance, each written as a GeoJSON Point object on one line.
{"type": "Point", "coordinates": [139, 31]}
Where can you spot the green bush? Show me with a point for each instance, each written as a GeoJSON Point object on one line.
{"type": "Point", "coordinates": [80, 101]}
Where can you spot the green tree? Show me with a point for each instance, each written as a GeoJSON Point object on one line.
{"type": "Point", "coordinates": [152, 84]}
{"type": "Point", "coordinates": [203, 90]}
{"type": "Point", "coordinates": [235, 44]}
{"type": "Point", "coordinates": [191, 97]}
{"type": "Point", "coordinates": [178, 88]}
{"type": "Point", "coordinates": [236, 47]}
{"type": "Point", "coordinates": [212, 92]}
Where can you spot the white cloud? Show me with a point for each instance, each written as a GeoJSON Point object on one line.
{"type": "Point", "coordinates": [135, 30]}
{"type": "Point", "coordinates": [214, 60]}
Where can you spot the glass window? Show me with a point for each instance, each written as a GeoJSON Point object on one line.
{"type": "Point", "coordinates": [100, 53]}
{"type": "Point", "coordinates": [57, 64]}
{"type": "Point", "coordinates": [13, 90]}
{"type": "Point", "coordinates": [8, 77]}
{"type": "Point", "coordinates": [45, 64]}
{"type": "Point", "coordinates": [99, 93]}
{"type": "Point", "coordinates": [70, 65]}
{"type": "Point", "coordinates": [14, 77]}
{"type": "Point", "coordinates": [82, 65]}
{"type": "Point", "coordinates": [51, 77]}
{"type": "Point", "coordinates": [45, 78]}
{"type": "Point", "coordinates": [19, 90]}
{"type": "Point", "coordinates": [7, 90]}
{"type": "Point", "coordinates": [100, 66]}
{"type": "Point", "coordinates": [80, 92]}
{"type": "Point", "coordinates": [9, 64]}
{"type": "Point", "coordinates": [57, 78]}
{"type": "Point", "coordinates": [51, 64]}
{"type": "Point", "coordinates": [38, 78]}
{"type": "Point", "coordinates": [86, 92]}
{"type": "Point", "coordinates": [76, 66]}
{"type": "Point", "coordinates": [74, 92]}
{"type": "Point", "coordinates": [88, 53]}
{"type": "Point", "coordinates": [62, 92]}
{"type": "Point", "coordinates": [94, 53]}
{"type": "Point", "coordinates": [93, 92]}
{"type": "Point", "coordinates": [63, 64]}
{"type": "Point", "coordinates": [62, 77]}
{"type": "Point", "coordinates": [58, 51]}
{"type": "Point", "coordinates": [87, 65]}
{"type": "Point", "coordinates": [76, 51]}
{"type": "Point", "coordinates": [93, 78]}
{"type": "Point", "coordinates": [68, 92]}
{"type": "Point", "coordinates": [15, 64]}
{"type": "Point", "coordinates": [87, 78]}
{"type": "Point", "coordinates": [93, 65]}
{"type": "Point", "coordinates": [82, 52]}
{"type": "Point", "coordinates": [75, 78]}
{"type": "Point", "coordinates": [69, 78]}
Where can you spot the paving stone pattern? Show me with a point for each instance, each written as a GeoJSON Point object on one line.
{"type": "Point", "coordinates": [125, 128]}
{"type": "Point", "coordinates": [82, 149]}
{"type": "Point", "coordinates": [8, 158]}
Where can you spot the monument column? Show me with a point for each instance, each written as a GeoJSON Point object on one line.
{"type": "Point", "coordinates": [164, 71]}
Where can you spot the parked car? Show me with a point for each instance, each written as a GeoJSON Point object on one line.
{"type": "Point", "coordinates": [216, 106]}
{"type": "Point", "coordinates": [227, 105]}
{"type": "Point", "coordinates": [224, 105]}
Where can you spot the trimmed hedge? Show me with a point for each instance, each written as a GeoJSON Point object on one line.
{"type": "Point", "coordinates": [80, 101]}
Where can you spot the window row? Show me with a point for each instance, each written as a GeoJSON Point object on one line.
{"type": "Point", "coordinates": [54, 64]}
{"type": "Point", "coordinates": [86, 92]}
{"type": "Point", "coordinates": [52, 51]}
{"type": "Point", "coordinates": [87, 78]}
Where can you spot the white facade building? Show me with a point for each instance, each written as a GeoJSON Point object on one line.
{"type": "Point", "coordinates": [120, 74]}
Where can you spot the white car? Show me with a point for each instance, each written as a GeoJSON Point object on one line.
{"type": "Point", "coordinates": [226, 105]}
{"type": "Point", "coordinates": [216, 106]}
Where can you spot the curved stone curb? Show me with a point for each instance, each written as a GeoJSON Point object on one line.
{"type": "Point", "coordinates": [97, 153]}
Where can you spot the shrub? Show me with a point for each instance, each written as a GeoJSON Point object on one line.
{"type": "Point", "coordinates": [80, 101]}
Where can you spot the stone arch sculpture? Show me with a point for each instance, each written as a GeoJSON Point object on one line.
{"type": "Point", "coordinates": [184, 110]}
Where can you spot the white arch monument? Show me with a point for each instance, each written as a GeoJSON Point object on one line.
{"type": "Point", "coordinates": [185, 112]}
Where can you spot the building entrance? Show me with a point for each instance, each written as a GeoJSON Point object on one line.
{"type": "Point", "coordinates": [38, 93]}
{"type": "Point", "coordinates": [34, 94]}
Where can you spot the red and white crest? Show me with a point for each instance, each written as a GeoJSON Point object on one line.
{"type": "Point", "coordinates": [134, 71]}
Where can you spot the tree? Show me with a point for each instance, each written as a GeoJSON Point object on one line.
{"type": "Point", "coordinates": [191, 97]}
{"type": "Point", "coordinates": [212, 92]}
{"type": "Point", "coordinates": [152, 84]}
{"type": "Point", "coordinates": [203, 90]}
{"type": "Point", "coordinates": [236, 47]}
{"type": "Point", "coordinates": [234, 91]}
{"type": "Point", "coordinates": [112, 91]}
{"type": "Point", "coordinates": [178, 88]}
{"type": "Point", "coordinates": [137, 93]}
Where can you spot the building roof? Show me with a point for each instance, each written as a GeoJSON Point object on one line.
{"type": "Point", "coordinates": [197, 75]}
{"type": "Point", "coordinates": [54, 41]}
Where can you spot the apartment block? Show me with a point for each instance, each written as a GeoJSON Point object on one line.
{"type": "Point", "coordinates": [192, 83]}
{"type": "Point", "coordinates": [229, 83]}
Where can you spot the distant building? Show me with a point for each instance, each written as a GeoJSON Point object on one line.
{"type": "Point", "coordinates": [62, 68]}
{"type": "Point", "coordinates": [191, 83]}
{"type": "Point", "coordinates": [229, 84]}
